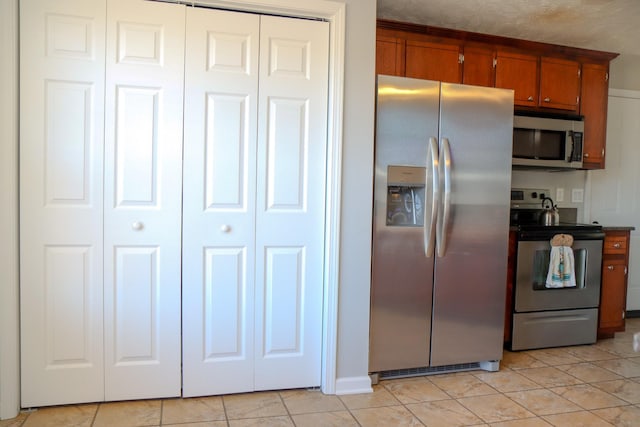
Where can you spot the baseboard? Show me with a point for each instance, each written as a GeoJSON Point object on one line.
{"type": "Point", "coordinates": [353, 385]}
{"type": "Point", "coordinates": [632, 313]}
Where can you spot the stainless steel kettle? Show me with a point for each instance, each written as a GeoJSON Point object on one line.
{"type": "Point", "coordinates": [549, 215]}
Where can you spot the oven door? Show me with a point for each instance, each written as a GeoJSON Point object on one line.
{"type": "Point", "coordinates": [531, 294]}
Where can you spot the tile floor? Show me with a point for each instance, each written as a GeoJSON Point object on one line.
{"type": "Point", "coordinates": [596, 385]}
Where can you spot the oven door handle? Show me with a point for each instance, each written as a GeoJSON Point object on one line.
{"type": "Point", "coordinates": [444, 215]}
{"type": "Point", "coordinates": [432, 174]}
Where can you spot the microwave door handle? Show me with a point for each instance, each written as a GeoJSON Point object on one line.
{"type": "Point", "coordinates": [431, 214]}
{"type": "Point", "coordinates": [444, 216]}
{"type": "Point", "coordinates": [573, 147]}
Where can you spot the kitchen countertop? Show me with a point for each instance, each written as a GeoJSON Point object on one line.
{"type": "Point", "coordinates": [617, 228]}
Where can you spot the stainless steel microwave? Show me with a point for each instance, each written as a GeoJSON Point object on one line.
{"type": "Point", "coordinates": [552, 143]}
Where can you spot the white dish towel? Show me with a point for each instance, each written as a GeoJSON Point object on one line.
{"type": "Point", "coordinates": [561, 268]}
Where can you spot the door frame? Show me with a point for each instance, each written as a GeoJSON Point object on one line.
{"type": "Point", "coordinates": [335, 13]}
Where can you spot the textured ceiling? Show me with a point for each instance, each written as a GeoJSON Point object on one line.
{"type": "Point", "coordinates": [608, 25]}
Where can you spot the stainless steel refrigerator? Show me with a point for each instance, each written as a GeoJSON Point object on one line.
{"type": "Point", "coordinates": [441, 224]}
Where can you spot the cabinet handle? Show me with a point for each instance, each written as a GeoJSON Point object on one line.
{"type": "Point", "coordinates": [530, 98]}
{"type": "Point", "coordinates": [586, 154]}
{"type": "Point", "coordinates": [137, 225]}
{"type": "Point", "coordinates": [225, 228]}
{"type": "Point", "coordinates": [547, 99]}
{"type": "Point", "coordinates": [617, 245]}
{"type": "Point", "coordinates": [610, 267]}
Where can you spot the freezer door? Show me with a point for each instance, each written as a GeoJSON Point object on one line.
{"type": "Point", "coordinates": [476, 130]}
{"type": "Point", "coordinates": [407, 119]}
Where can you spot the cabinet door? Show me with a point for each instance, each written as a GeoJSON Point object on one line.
{"type": "Point", "coordinates": [559, 84]}
{"type": "Point", "coordinates": [61, 201]}
{"type": "Point", "coordinates": [390, 55]}
{"type": "Point", "coordinates": [520, 73]}
{"type": "Point", "coordinates": [594, 100]}
{"type": "Point", "coordinates": [221, 102]}
{"type": "Point", "coordinates": [613, 296]}
{"type": "Point", "coordinates": [143, 199]}
{"type": "Point", "coordinates": [433, 61]}
{"type": "Point", "coordinates": [477, 68]}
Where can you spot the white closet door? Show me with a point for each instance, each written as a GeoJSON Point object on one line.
{"type": "Point", "coordinates": [219, 201]}
{"type": "Point", "coordinates": [142, 183]}
{"type": "Point", "coordinates": [61, 138]}
{"type": "Point", "coordinates": [290, 205]}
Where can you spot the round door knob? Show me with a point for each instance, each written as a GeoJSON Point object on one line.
{"type": "Point", "coordinates": [530, 98]}
{"type": "Point", "coordinates": [610, 267]}
{"type": "Point", "coordinates": [617, 245]}
{"type": "Point", "coordinates": [547, 99]}
{"type": "Point", "coordinates": [137, 225]}
{"type": "Point", "coordinates": [225, 228]}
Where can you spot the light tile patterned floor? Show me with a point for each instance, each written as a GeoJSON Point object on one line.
{"type": "Point", "coordinates": [597, 385]}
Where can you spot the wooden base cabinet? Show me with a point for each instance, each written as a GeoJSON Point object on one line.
{"type": "Point", "coordinates": [613, 293]}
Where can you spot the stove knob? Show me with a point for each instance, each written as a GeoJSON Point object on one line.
{"type": "Point", "coordinates": [542, 196]}
{"type": "Point", "coordinates": [534, 195]}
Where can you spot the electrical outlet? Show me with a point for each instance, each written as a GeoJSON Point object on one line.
{"type": "Point", "coordinates": [559, 195]}
{"type": "Point", "coordinates": [577, 195]}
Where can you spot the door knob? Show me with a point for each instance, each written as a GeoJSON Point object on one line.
{"type": "Point", "coordinates": [137, 225]}
{"type": "Point", "coordinates": [225, 228]}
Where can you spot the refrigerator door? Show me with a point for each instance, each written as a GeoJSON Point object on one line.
{"type": "Point", "coordinates": [407, 119]}
{"type": "Point", "coordinates": [476, 130]}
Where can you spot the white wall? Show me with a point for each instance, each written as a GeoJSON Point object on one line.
{"type": "Point", "coordinates": [624, 72]}
{"type": "Point", "coordinates": [9, 379]}
{"type": "Point", "coordinates": [355, 252]}
{"type": "Point", "coordinates": [614, 191]}
{"type": "Point", "coordinates": [357, 191]}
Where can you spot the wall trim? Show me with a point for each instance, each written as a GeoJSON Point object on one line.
{"type": "Point", "coordinates": [335, 13]}
{"type": "Point", "coordinates": [353, 385]}
{"type": "Point", "coordinates": [9, 246]}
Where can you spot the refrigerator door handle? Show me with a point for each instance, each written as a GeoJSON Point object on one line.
{"type": "Point", "coordinates": [431, 215]}
{"type": "Point", "coordinates": [445, 213]}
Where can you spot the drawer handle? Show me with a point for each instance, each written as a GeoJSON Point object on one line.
{"type": "Point", "coordinates": [617, 245]}
{"type": "Point", "coordinates": [586, 154]}
{"type": "Point", "coordinates": [547, 99]}
{"type": "Point", "coordinates": [530, 98]}
{"type": "Point", "coordinates": [611, 267]}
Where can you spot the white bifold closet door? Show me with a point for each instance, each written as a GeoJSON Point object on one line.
{"type": "Point", "coordinates": [100, 199]}
{"type": "Point", "coordinates": [254, 201]}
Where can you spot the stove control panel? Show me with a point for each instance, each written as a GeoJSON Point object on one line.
{"type": "Point", "coordinates": [528, 197]}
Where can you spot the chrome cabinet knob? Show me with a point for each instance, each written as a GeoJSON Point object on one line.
{"type": "Point", "coordinates": [610, 267]}
{"type": "Point", "coordinates": [617, 245]}
{"type": "Point", "coordinates": [225, 228]}
{"type": "Point", "coordinates": [586, 154]}
{"type": "Point", "coordinates": [530, 98]}
{"type": "Point", "coordinates": [547, 99]}
{"type": "Point", "coordinates": [137, 225]}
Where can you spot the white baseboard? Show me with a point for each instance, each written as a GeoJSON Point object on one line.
{"type": "Point", "coordinates": [353, 385]}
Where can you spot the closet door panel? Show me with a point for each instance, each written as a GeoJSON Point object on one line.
{"type": "Point", "coordinates": [61, 138]}
{"type": "Point", "coordinates": [219, 201]}
{"type": "Point", "coordinates": [143, 200]}
{"type": "Point", "coordinates": [290, 204]}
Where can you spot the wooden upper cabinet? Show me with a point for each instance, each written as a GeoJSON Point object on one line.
{"type": "Point", "coordinates": [518, 72]}
{"type": "Point", "coordinates": [593, 106]}
{"type": "Point", "coordinates": [559, 84]}
{"type": "Point", "coordinates": [433, 61]}
{"type": "Point", "coordinates": [390, 55]}
{"type": "Point", "coordinates": [478, 66]}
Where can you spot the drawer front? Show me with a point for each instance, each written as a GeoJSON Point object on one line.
{"type": "Point", "coordinates": [615, 245]}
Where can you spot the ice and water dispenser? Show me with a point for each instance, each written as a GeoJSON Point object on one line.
{"type": "Point", "coordinates": [405, 196]}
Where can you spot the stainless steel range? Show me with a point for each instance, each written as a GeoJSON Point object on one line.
{"type": "Point", "coordinates": [545, 316]}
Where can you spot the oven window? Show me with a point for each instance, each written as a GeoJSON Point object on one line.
{"type": "Point", "coordinates": [541, 269]}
